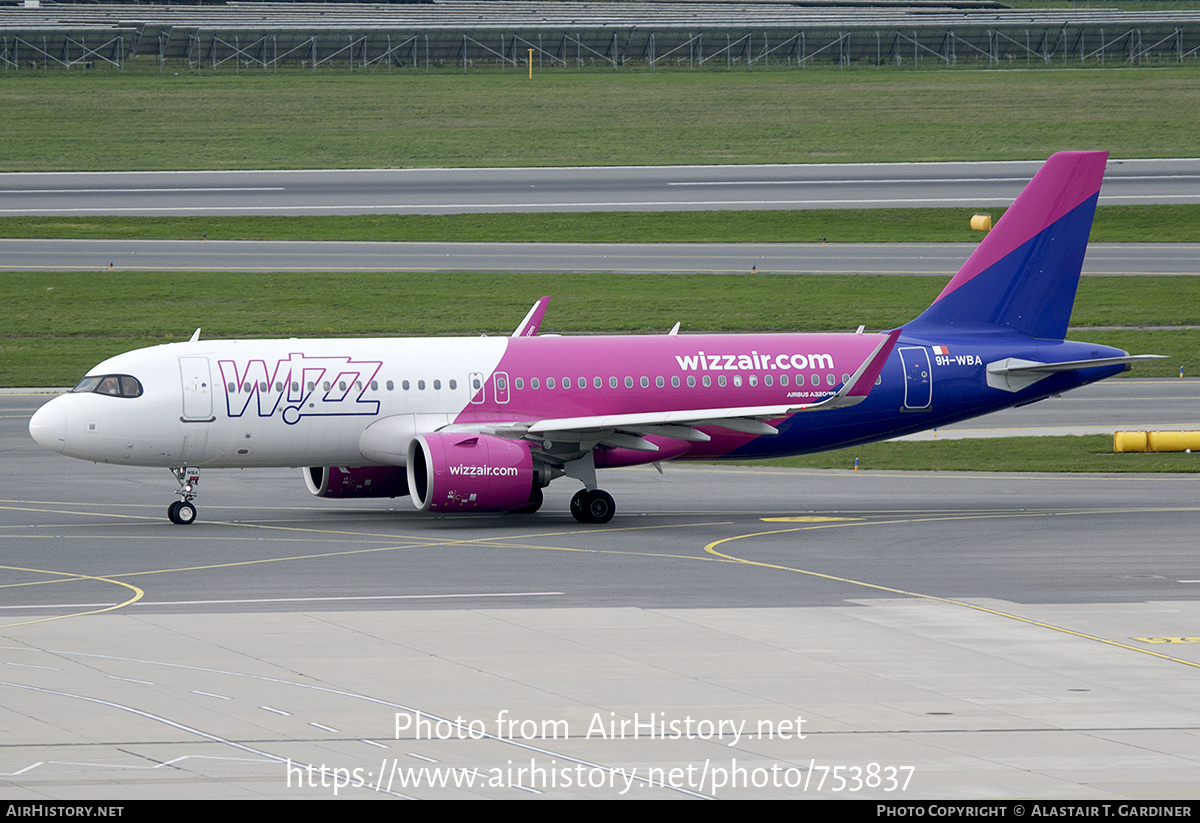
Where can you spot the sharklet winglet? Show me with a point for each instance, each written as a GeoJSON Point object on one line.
{"type": "Point", "coordinates": [529, 326]}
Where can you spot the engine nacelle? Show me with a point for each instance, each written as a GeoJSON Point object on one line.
{"type": "Point", "coordinates": [360, 481]}
{"type": "Point", "coordinates": [469, 473]}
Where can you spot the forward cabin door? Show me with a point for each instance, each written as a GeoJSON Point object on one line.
{"type": "Point", "coordinates": [197, 390]}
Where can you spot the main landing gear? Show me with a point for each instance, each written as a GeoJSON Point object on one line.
{"type": "Point", "coordinates": [594, 506]}
{"type": "Point", "coordinates": [182, 512]}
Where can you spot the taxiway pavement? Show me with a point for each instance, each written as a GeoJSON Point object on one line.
{"type": "Point", "coordinates": [608, 188]}
{"type": "Point", "coordinates": [938, 635]}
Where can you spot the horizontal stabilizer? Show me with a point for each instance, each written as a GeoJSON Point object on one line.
{"type": "Point", "coordinates": [1013, 373]}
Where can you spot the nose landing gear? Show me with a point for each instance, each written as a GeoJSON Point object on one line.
{"type": "Point", "coordinates": [182, 512]}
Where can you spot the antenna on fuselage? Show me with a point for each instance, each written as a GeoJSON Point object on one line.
{"type": "Point", "coordinates": [195, 336]}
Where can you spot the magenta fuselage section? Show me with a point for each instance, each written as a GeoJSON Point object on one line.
{"type": "Point", "coordinates": [562, 377]}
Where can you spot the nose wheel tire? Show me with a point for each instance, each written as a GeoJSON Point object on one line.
{"type": "Point", "coordinates": [596, 506]}
{"type": "Point", "coordinates": [181, 513]}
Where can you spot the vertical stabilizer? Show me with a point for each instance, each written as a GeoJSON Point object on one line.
{"type": "Point", "coordinates": [1023, 276]}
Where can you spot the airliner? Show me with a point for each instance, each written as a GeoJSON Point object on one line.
{"type": "Point", "coordinates": [484, 424]}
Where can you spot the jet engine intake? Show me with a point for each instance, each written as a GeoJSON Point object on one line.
{"type": "Point", "coordinates": [470, 472]}
{"type": "Point", "coordinates": [360, 481]}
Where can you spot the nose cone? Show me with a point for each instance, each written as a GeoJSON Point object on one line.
{"type": "Point", "coordinates": [48, 426]}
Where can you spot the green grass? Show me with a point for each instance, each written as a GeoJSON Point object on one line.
{"type": "Point", "coordinates": [79, 121]}
{"type": "Point", "coordinates": [1123, 5]}
{"type": "Point", "coordinates": [57, 325]}
{"type": "Point", "coordinates": [1114, 224]}
{"type": "Point", "coordinates": [1091, 453]}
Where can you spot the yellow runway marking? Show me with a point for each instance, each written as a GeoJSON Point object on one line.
{"type": "Point", "coordinates": [138, 594]}
{"type": "Point", "coordinates": [410, 542]}
{"type": "Point", "coordinates": [711, 548]}
{"type": "Point", "coordinates": [808, 519]}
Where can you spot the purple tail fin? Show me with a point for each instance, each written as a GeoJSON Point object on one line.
{"type": "Point", "coordinates": [1022, 277]}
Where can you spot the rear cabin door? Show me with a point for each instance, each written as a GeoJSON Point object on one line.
{"type": "Point", "coordinates": [918, 378]}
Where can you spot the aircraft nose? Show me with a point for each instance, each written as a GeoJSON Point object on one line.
{"type": "Point", "coordinates": [48, 426]}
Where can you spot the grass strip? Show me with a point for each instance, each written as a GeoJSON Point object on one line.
{"type": "Point", "coordinates": [56, 325]}
{"type": "Point", "coordinates": [1114, 224]}
{"type": "Point", "coordinates": [72, 121]}
{"type": "Point", "coordinates": [1088, 453]}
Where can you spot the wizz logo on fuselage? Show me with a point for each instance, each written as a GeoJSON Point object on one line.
{"type": "Point", "coordinates": [300, 386]}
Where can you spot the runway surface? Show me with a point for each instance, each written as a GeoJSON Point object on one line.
{"type": "Point", "coordinates": [622, 188]}
{"type": "Point", "coordinates": [934, 636]}
{"type": "Point", "coordinates": [931, 259]}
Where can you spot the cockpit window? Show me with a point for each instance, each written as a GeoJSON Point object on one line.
{"type": "Point", "coordinates": [114, 385]}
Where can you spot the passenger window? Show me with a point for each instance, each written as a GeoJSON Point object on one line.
{"type": "Point", "coordinates": [691, 382]}
{"type": "Point", "coordinates": [549, 382]}
{"type": "Point", "coordinates": [598, 383]}
{"type": "Point", "coordinates": [453, 385]}
{"type": "Point", "coordinates": [629, 382]}
{"type": "Point", "coordinates": [645, 382]}
{"type": "Point", "coordinates": [613, 382]}
{"type": "Point", "coordinates": [721, 380]}
{"type": "Point", "coordinates": [519, 383]}
{"type": "Point", "coordinates": [675, 382]}
{"type": "Point", "coordinates": [437, 384]}
{"type": "Point", "coordinates": [534, 383]}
